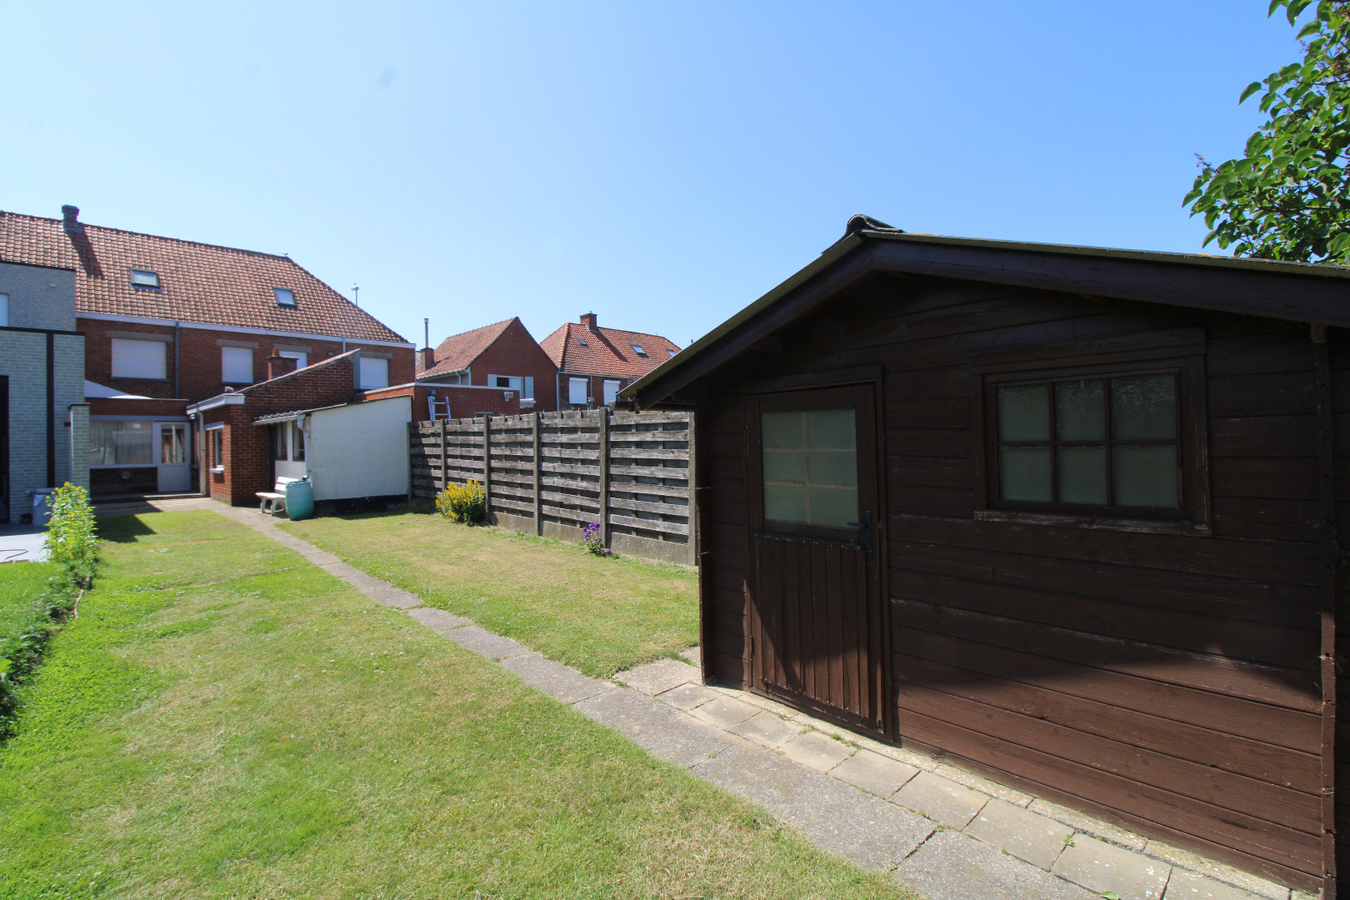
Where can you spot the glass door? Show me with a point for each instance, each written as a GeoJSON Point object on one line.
{"type": "Point", "coordinates": [174, 474]}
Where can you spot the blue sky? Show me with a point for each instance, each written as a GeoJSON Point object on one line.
{"type": "Point", "coordinates": [660, 164]}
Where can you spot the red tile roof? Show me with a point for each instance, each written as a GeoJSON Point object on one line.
{"type": "Point", "coordinates": [198, 282]}
{"type": "Point", "coordinates": [608, 351]}
{"type": "Point", "coordinates": [458, 351]}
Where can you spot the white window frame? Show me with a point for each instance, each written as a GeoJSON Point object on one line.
{"type": "Point", "coordinates": [138, 362]}
{"type": "Point", "coordinates": [573, 384]}
{"type": "Point", "coordinates": [215, 447]}
{"type": "Point", "coordinates": [236, 366]}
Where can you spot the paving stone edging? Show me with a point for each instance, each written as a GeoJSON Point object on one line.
{"type": "Point", "coordinates": [948, 833]}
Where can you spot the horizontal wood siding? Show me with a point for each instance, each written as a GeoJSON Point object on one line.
{"type": "Point", "coordinates": [1167, 682]}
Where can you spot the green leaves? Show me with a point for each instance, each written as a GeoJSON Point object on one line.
{"type": "Point", "coordinates": [1288, 196]}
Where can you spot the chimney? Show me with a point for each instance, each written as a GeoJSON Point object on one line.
{"type": "Point", "coordinates": [589, 321]}
{"type": "Point", "coordinates": [278, 365]}
{"type": "Point", "coordinates": [70, 220]}
{"type": "Point", "coordinates": [426, 358]}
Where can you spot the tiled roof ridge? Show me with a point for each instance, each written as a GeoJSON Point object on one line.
{"type": "Point", "coordinates": [159, 237]}
{"type": "Point", "coordinates": [480, 328]}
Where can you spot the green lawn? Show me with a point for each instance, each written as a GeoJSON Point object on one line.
{"type": "Point", "coordinates": [598, 615]}
{"type": "Point", "coordinates": [227, 720]}
{"type": "Point", "coordinates": [20, 586]}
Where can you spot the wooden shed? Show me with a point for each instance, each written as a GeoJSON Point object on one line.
{"type": "Point", "coordinates": [1065, 515]}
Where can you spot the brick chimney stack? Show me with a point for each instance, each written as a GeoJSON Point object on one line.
{"type": "Point", "coordinates": [426, 358]}
{"type": "Point", "coordinates": [278, 365]}
{"type": "Point", "coordinates": [589, 321]}
{"type": "Point", "coordinates": [70, 220]}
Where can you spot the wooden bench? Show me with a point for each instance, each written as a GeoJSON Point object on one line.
{"type": "Point", "coordinates": [274, 501]}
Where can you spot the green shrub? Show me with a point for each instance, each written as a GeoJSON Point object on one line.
{"type": "Point", "coordinates": [464, 503]}
{"type": "Point", "coordinates": [32, 606]}
{"type": "Point", "coordinates": [70, 535]}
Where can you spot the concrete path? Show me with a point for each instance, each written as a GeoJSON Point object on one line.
{"type": "Point", "coordinates": [22, 543]}
{"type": "Point", "coordinates": [949, 834]}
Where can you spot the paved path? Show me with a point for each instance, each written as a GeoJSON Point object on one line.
{"type": "Point", "coordinates": [949, 834]}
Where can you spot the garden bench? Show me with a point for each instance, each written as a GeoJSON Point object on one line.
{"type": "Point", "coordinates": [274, 501]}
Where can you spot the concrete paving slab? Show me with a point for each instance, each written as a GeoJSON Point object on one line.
{"type": "Point", "coordinates": [874, 773]}
{"type": "Point", "coordinates": [1099, 866]}
{"type": "Point", "coordinates": [1190, 886]}
{"type": "Point", "coordinates": [658, 677]}
{"type": "Point", "coordinates": [953, 805]}
{"type": "Point", "coordinates": [1088, 825]}
{"type": "Point", "coordinates": [438, 620]}
{"type": "Point", "coordinates": [392, 596]}
{"type": "Point", "coordinates": [483, 642]}
{"type": "Point", "coordinates": [984, 785]}
{"type": "Point", "coordinates": [952, 866]}
{"type": "Point", "coordinates": [558, 681]}
{"type": "Point", "coordinates": [869, 831]}
{"type": "Point", "coordinates": [724, 712]}
{"type": "Point", "coordinates": [687, 696]}
{"type": "Point", "coordinates": [817, 751]}
{"type": "Point", "coordinates": [661, 730]}
{"type": "Point", "coordinates": [1024, 834]}
{"type": "Point", "coordinates": [1218, 871]}
{"type": "Point", "coordinates": [767, 729]}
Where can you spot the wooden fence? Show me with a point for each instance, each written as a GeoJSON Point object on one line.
{"type": "Point", "coordinates": [552, 474]}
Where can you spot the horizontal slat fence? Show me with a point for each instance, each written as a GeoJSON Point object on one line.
{"type": "Point", "coordinates": [552, 474]}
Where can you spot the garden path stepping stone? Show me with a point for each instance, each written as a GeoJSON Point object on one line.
{"type": "Point", "coordinates": [558, 681]}
{"type": "Point", "coordinates": [438, 620]}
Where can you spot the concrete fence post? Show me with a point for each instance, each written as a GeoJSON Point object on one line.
{"type": "Point", "coordinates": [538, 479]}
{"type": "Point", "coordinates": [604, 474]}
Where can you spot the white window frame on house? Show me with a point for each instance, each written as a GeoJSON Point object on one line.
{"type": "Point", "coordinates": [611, 390]}
{"type": "Point", "coordinates": [578, 387]}
{"type": "Point", "coordinates": [524, 384]}
{"type": "Point", "coordinates": [215, 447]}
{"type": "Point", "coordinates": [106, 440]}
{"type": "Point", "coordinates": [144, 360]}
{"type": "Point", "coordinates": [236, 362]}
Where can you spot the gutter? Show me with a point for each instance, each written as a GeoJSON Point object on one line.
{"type": "Point", "coordinates": [215, 402]}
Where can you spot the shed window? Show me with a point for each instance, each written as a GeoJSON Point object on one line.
{"type": "Point", "coordinates": [810, 467]}
{"type": "Point", "coordinates": [285, 296]}
{"type": "Point", "coordinates": [139, 359]}
{"type": "Point", "coordinates": [144, 278]}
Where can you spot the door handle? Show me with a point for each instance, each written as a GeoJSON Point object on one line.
{"type": "Point", "coordinates": [866, 526]}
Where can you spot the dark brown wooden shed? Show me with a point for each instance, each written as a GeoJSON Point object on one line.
{"type": "Point", "coordinates": [1066, 515]}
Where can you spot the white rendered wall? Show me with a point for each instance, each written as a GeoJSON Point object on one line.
{"type": "Point", "coordinates": [360, 450]}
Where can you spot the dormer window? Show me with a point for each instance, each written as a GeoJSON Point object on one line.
{"type": "Point", "coordinates": [638, 350]}
{"type": "Point", "coordinates": [581, 341]}
{"type": "Point", "coordinates": [285, 296]}
{"type": "Point", "coordinates": [144, 278]}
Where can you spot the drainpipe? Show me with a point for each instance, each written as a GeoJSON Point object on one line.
{"type": "Point", "coordinates": [557, 391]}
{"type": "Point", "coordinates": [177, 385]}
{"type": "Point", "coordinates": [51, 410]}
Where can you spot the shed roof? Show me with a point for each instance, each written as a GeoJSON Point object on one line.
{"type": "Point", "coordinates": [1305, 292]}
{"type": "Point", "coordinates": [202, 283]}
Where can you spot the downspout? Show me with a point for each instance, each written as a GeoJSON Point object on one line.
{"type": "Point", "coordinates": [177, 384]}
{"type": "Point", "coordinates": [557, 391]}
{"type": "Point", "coordinates": [51, 410]}
{"type": "Point", "coordinates": [1326, 461]}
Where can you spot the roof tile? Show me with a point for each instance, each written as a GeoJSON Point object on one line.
{"type": "Point", "coordinates": [608, 351]}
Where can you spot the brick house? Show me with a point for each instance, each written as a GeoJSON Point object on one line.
{"type": "Point", "coordinates": [170, 319]}
{"type": "Point", "coordinates": [502, 357]}
{"type": "Point", "coordinates": [594, 363]}
{"type": "Point", "coordinates": [43, 417]}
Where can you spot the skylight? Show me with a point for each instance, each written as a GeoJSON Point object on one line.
{"type": "Point", "coordinates": [671, 352]}
{"type": "Point", "coordinates": [582, 341]}
{"type": "Point", "coordinates": [638, 350]}
{"type": "Point", "coordinates": [144, 278]}
{"type": "Point", "coordinates": [285, 297]}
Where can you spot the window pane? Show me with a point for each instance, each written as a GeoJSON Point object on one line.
{"type": "Point", "coordinates": [139, 359]}
{"type": "Point", "coordinates": [1080, 410]}
{"type": "Point", "coordinates": [297, 442]}
{"type": "Point", "coordinates": [236, 365]}
{"type": "Point", "coordinates": [831, 429]}
{"type": "Point", "coordinates": [833, 506]}
{"type": "Point", "coordinates": [1024, 413]}
{"type": "Point", "coordinates": [1145, 476]}
{"type": "Point", "coordinates": [1024, 473]}
{"type": "Point", "coordinates": [785, 502]}
{"type": "Point", "coordinates": [785, 465]}
{"type": "Point", "coordinates": [121, 444]}
{"type": "Point", "coordinates": [1144, 407]}
{"type": "Point", "coordinates": [833, 467]}
{"type": "Point", "coordinates": [785, 430]}
{"type": "Point", "coordinates": [279, 442]}
{"type": "Point", "coordinates": [374, 372]}
{"type": "Point", "coordinates": [576, 391]}
{"type": "Point", "coordinates": [1081, 473]}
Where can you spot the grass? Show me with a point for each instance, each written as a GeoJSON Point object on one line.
{"type": "Point", "coordinates": [595, 614]}
{"type": "Point", "coordinates": [226, 720]}
{"type": "Point", "coordinates": [21, 584]}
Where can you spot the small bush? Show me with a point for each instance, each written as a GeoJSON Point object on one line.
{"type": "Point", "coordinates": [590, 536]}
{"type": "Point", "coordinates": [464, 503]}
{"type": "Point", "coordinates": [70, 535]}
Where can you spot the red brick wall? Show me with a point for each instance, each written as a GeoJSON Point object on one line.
{"type": "Point", "coordinates": [199, 358]}
{"type": "Point", "coordinates": [464, 401]}
{"type": "Point", "coordinates": [596, 390]}
{"type": "Point", "coordinates": [515, 352]}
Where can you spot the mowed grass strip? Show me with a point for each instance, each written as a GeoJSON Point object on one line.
{"type": "Point", "coordinates": [21, 584]}
{"type": "Point", "coordinates": [227, 720]}
{"type": "Point", "coordinates": [599, 615]}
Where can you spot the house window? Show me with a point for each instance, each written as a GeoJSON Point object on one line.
{"type": "Point", "coordinates": [280, 442]}
{"type": "Point", "coordinates": [139, 359]}
{"type": "Point", "coordinates": [215, 439]}
{"type": "Point", "coordinates": [236, 365]}
{"type": "Point", "coordinates": [121, 443]}
{"type": "Point", "coordinates": [611, 391]}
{"type": "Point", "coordinates": [285, 296]}
{"type": "Point", "coordinates": [374, 372]}
{"type": "Point", "coordinates": [577, 394]}
{"type": "Point", "coordinates": [638, 350]}
{"type": "Point", "coordinates": [4, 310]}
{"type": "Point", "coordinates": [582, 342]}
{"type": "Point", "coordinates": [523, 384]}
{"type": "Point", "coordinates": [297, 442]}
{"type": "Point", "coordinates": [144, 278]}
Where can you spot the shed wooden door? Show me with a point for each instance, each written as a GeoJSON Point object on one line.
{"type": "Point", "coordinates": [815, 613]}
